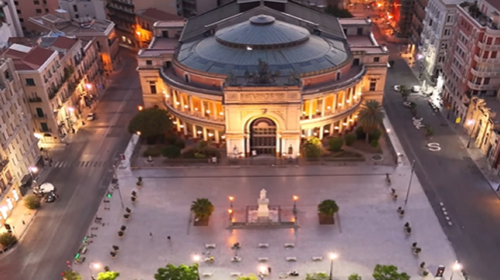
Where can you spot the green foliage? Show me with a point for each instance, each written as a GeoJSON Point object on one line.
{"type": "Point", "coordinates": [335, 144]}
{"type": "Point", "coordinates": [176, 141]}
{"type": "Point", "coordinates": [391, 63]}
{"type": "Point", "coordinates": [7, 239]}
{"type": "Point", "coordinates": [152, 151]}
{"type": "Point", "coordinates": [171, 151]}
{"type": "Point", "coordinates": [428, 131]}
{"type": "Point", "coordinates": [328, 207]}
{"type": "Point", "coordinates": [350, 139]}
{"type": "Point", "coordinates": [108, 275]}
{"type": "Point", "coordinates": [354, 276]}
{"type": "Point", "coordinates": [313, 148]}
{"type": "Point", "coordinates": [181, 272]}
{"type": "Point", "coordinates": [370, 116]}
{"type": "Point", "coordinates": [248, 277]}
{"type": "Point", "coordinates": [201, 153]}
{"type": "Point", "coordinates": [202, 208]}
{"type": "Point", "coordinates": [202, 144]}
{"type": "Point", "coordinates": [72, 275]}
{"type": "Point", "coordinates": [360, 133]}
{"type": "Point", "coordinates": [388, 272]}
{"type": "Point", "coordinates": [336, 12]}
{"type": "Point", "coordinates": [374, 143]}
{"type": "Point", "coordinates": [375, 135]}
{"type": "Point", "coordinates": [150, 122]}
{"type": "Point", "coordinates": [317, 276]}
{"type": "Point", "coordinates": [32, 202]}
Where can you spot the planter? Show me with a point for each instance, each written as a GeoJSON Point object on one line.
{"type": "Point", "coordinates": [128, 210]}
{"type": "Point", "coordinates": [133, 198]}
{"type": "Point", "coordinates": [123, 228]}
{"type": "Point", "coordinates": [113, 254]}
{"type": "Point", "coordinates": [120, 234]}
{"type": "Point", "coordinates": [408, 231]}
{"type": "Point", "coordinates": [201, 221]}
{"type": "Point", "coordinates": [325, 219]}
{"type": "Point", "coordinates": [116, 248]}
{"type": "Point", "coordinates": [126, 216]}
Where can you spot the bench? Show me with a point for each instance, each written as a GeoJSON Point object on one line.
{"type": "Point", "coordinates": [237, 274]}
{"type": "Point", "coordinates": [263, 245]}
{"type": "Point", "coordinates": [291, 259]}
{"type": "Point", "coordinates": [317, 259]}
{"type": "Point", "coordinates": [263, 259]}
{"type": "Point", "coordinates": [207, 274]}
{"type": "Point", "coordinates": [210, 246]}
{"type": "Point", "coordinates": [289, 245]}
{"type": "Point", "coordinates": [236, 259]}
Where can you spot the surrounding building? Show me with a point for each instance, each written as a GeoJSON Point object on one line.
{"type": "Point", "coordinates": [417, 21]}
{"type": "Point", "coordinates": [57, 82]}
{"type": "Point", "coordinates": [145, 21]}
{"type": "Point", "coordinates": [84, 8]}
{"type": "Point", "coordinates": [404, 10]}
{"type": "Point", "coordinates": [19, 153]}
{"type": "Point", "coordinates": [10, 20]}
{"type": "Point", "coordinates": [472, 64]}
{"type": "Point", "coordinates": [26, 9]}
{"type": "Point", "coordinates": [102, 31]}
{"type": "Point", "coordinates": [297, 72]}
{"type": "Point", "coordinates": [190, 8]}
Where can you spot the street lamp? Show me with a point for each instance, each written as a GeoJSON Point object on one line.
{"type": "Point", "coordinates": [196, 259]}
{"type": "Point", "coordinates": [140, 108]}
{"type": "Point", "coordinates": [456, 267]}
{"type": "Point", "coordinates": [231, 201]}
{"type": "Point", "coordinates": [333, 257]}
{"type": "Point", "coordinates": [92, 266]}
{"type": "Point", "coordinates": [262, 271]}
{"type": "Point", "coordinates": [473, 123]}
{"type": "Point", "coordinates": [295, 198]}
{"type": "Point", "coordinates": [409, 182]}
{"type": "Point", "coordinates": [32, 169]}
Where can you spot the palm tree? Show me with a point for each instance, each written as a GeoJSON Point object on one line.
{"type": "Point", "coordinates": [202, 208]}
{"type": "Point", "coordinates": [370, 117]}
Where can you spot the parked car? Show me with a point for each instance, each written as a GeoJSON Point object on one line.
{"type": "Point", "coordinates": [50, 197]}
{"type": "Point", "coordinates": [91, 117]}
{"type": "Point", "coordinates": [415, 89]}
{"type": "Point", "coordinates": [397, 88]}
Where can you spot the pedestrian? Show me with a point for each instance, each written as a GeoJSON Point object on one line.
{"type": "Point", "coordinates": [168, 237]}
{"type": "Point", "coordinates": [23, 222]}
{"type": "Point", "coordinates": [150, 235]}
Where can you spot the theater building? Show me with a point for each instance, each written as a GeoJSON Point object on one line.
{"type": "Point", "coordinates": [259, 78]}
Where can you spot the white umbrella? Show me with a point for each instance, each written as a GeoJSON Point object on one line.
{"type": "Point", "coordinates": [46, 187]}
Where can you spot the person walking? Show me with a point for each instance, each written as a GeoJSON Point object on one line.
{"type": "Point", "coordinates": [168, 237]}
{"type": "Point", "coordinates": [150, 235]}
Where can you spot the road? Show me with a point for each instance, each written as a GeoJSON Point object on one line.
{"type": "Point", "coordinates": [58, 229]}
{"type": "Point", "coordinates": [448, 176]}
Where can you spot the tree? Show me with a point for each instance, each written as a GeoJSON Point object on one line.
{"type": "Point", "coordinates": [151, 122]}
{"type": "Point", "coordinates": [72, 275]}
{"type": "Point", "coordinates": [181, 272]}
{"type": "Point", "coordinates": [317, 276]}
{"type": "Point", "coordinates": [328, 207]}
{"type": "Point", "coordinates": [202, 208]}
{"type": "Point", "coordinates": [354, 276]}
{"type": "Point", "coordinates": [32, 202]}
{"type": "Point", "coordinates": [335, 144]}
{"type": "Point", "coordinates": [388, 272]}
{"type": "Point", "coordinates": [7, 239]}
{"type": "Point", "coordinates": [171, 151]}
{"type": "Point", "coordinates": [108, 275]}
{"type": "Point", "coordinates": [370, 117]}
{"type": "Point", "coordinates": [313, 148]}
{"type": "Point", "coordinates": [248, 277]}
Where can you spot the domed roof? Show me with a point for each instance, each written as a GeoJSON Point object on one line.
{"type": "Point", "coordinates": [262, 31]}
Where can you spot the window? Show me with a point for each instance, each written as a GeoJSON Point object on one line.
{"type": "Point", "coordinates": [38, 11]}
{"type": "Point", "coordinates": [338, 76]}
{"type": "Point", "coordinates": [30, 82]}
{"type": "Point", "coordinates": [46, 10]}
{"type": "Point", "coordinates": [75, 8]}
{"type": "Point", "coordinates": [186, 78]}
{"type": "Point", "coordinates": [448, 19]}
{"type": "Point", "coordinates": [18, 12]}
{"type": "Point", "coordinates": [355, 62]}
{"type": "Point", "coordinates": [44, 127]}
{"type": "Point", "coordinates": [486, 81]}
{"type": "Point", "coordinates": [447, 32]}
{"type": "Point", "coordinates": [360, 31]}
{"type": "Point", "coordinates": [16, 3]}
{"type": "Point", "coordinates": [493, 54]}
{"type": "Point", "coordinates": [36, 2]}
{"type": "Point", "coordinates": [164, 34]}
{"type": "Point", "coordinates": [376, 59]}
{"type": "Point", "coordinates": [149, 62]}
{"type": "Point", "coordinates": [373, 84]}
{"type": "Point", "coordinates": [77, 16]}
{"type": "Point", "coordinates": [21, 20]}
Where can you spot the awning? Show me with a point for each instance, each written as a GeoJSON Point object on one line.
{"type": "Point", "coordinates": [26, 181]}
{"type": "Point", "coordinates": [46, 187]}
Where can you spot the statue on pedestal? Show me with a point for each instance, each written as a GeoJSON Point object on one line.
{"type": "Point", "coordinates": [263, 201]}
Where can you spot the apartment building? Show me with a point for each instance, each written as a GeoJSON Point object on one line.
{"type": "Point", "coordinates": [26, 9]}
{"type": "Point", "coordinates": [102, 31]}
{"type": "Point", "coordinates": [56, 80]}
{"type": "Point", "coordinates": [190, 8]}
{"type": "Point", "coordinates": [9, 20]}
{"type": "Point", "coordinates": [405, 10]}
{"type": "Point", "coordinates": [18, 145]}
{"type": "Point", "coordinates": [441, 17]}
{"type": "Point", "coordinates": [145, 23]}
{"type": "Point", "coordinates": [84, 8]}
{"type": "Point", "coordinates": [417, 21]}
{"type": "Point", "coordinates": [472, 63]}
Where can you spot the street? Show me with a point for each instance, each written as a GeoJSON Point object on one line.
{"type": "Point", "coordinates": [58, 229]}
{"type": "Point", "coordinates": [448, 176]}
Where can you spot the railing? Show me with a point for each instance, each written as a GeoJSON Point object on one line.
{"type": "Point", "coordinates": [40, 116]}
{"type": "Point", "coordinates": [335, 85]}
{"type": "Point", "coordinates": [195, 116]}
{"type": "Point", "coordinates": [488, 47]}
{"type": "Point", "coordinates": [475, 86]}
{"type": "Point", "coordinates": [481, 73]}
{"type": "Point", "coordinates": [486, 60]}
{"type": "Point", "coordinates": [45, 130]}
{"type": "Point", "coordinates": [169, 77]}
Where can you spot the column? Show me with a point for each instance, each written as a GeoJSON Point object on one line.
{"type": "Point", "coordinates": [181, 97]}
{"type": "Point", "coordinates": [216, 135]}
{"type": "Point", "coordinates": [310, 108]}
{"type": "Point", "coordinates": [323, 101]}
{"type": "Point", "coordinates": [321, 132]}
{"type": "Point", "coordinates": [332, 129]}
{"type": "Point", "coordinates": [185, 129]}
{"type": "Point", "coordinates": [174, 95]}
{"type": "Point", "coordinates": [202, 108]}
{"type": "Point", "coordinates": [191, 107]}
{"type": "Point", "coordinates": [195, 131]}
{"type": "Point", "coordinates": [309, 132]}
{"type": "Point", "coordinates": [334, 103]}
{"type": "Point", "coordinates": [247, 146]}
{"type": "Point", "coordinates": [205, 136]}
{"type": "Point", "coordinates": [178, 124]}
{"type": "Point", "coordinates": [278, 146]}
{"type": "Point", "coordinates": [343, 100]}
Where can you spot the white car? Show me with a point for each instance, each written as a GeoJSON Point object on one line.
{"type": "Point", "coordinates": [415, 89]}
{"type": "Point", "coordinates": [91, 117]}
{"type": "Point", "coordinates": [397, 88]}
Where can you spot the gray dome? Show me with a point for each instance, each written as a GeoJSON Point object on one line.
{"type": "Point", "coordinates": [262, 31]}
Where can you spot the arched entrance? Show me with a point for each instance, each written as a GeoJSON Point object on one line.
{"type": "Point", "coordinates": [263, 137]}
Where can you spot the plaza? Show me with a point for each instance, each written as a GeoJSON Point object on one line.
{"type": "Point", "coordinates": [368, 230]}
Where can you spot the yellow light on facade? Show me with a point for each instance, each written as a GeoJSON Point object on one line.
{"type": "Point", "coordinates": [186, 106]}
{"type": "Point", "coordinates": [336, 128]}
{"type": "Point", "coordinates": [328, 107]}
{"type": "Point", "coordinates": [359, 93]}
{"type": "Point", "coordinates": [340, 104]}
{"type": "Point", "coordinates": [348, 101]}
{"type": "Point", "coordinates": [223, 137]}
{"type": "Point", "coordinates": [38, 135]}
{"type": "Point", "coordinates": [196, 109]}
{"type": "Point", "coordinates": [208, 111]}
{"type": "Point", "coordinates": [177, 103]}
{"type": "Point", "coordinates": [174, 122]}
{"type": "Point", "coordinates": [326, 131]}
{"type": "Point", "coordinates": [210, 134]}
{"type": "Point", "coordinates": [345, 124]}
{"type": "Point", "coordinates": [140, 108]}
{"type": "Point", "coordinates": [138, 33]}
{"type": "Point", "coordinates": [221, 113]}
{"type": "Point", "coordinates": [199, 132]}
{"type": "Point", "coordinates": [181, 126]}
{"type": "Point", "coordinates": [303, 136]}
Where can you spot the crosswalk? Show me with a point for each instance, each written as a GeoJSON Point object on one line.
{"type": "Point", "coordinates": [84, 164]}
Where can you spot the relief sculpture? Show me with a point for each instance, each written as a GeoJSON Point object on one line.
{"type": "Point", "coordinates": [275, 96]}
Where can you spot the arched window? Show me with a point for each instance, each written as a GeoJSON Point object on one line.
{"type": "Point", "coordinates": [186, 78]}
{"type": "Point", "coordinates": [338, 76]}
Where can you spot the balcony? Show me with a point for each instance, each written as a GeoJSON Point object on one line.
{"type": "Point", "coordinates": [350, 79]}
{"type": "Point", "coordinates": [39, 116]}
{"type": "Point", "coordinates": [481, 73]}
{"type": "Point", "coordinates": [304, 120]}
{"type": "Point", "coordinates": [486, 60]}
{"type": "Point", "coordinates": [196, 117]}
{"type": "Point", "coordinates": [487, 47]}
{"type": "Point", "coordinates": [171, 79]}
{"type": "Point", "coordinates": [475, 86]}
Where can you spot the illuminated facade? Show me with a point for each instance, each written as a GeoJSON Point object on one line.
{"type": "Point", "coordinates": [18, 146]}
{"type": "Point", "coordinates": [145, 21]}
{"type": "Point", "coordinates": [295, 73]}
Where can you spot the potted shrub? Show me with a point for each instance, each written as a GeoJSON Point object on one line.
{"type": "Point", "coordinates": [7, 239]}
{"type": "Point", "coordinates": [335, 144]}
{"type": "Point", "coordinates": [128, 210]}
{"type": "Point", "coordinates": [417, 251]}
{"type": "Point", "coordinates": [133, 198]}
{"type": "Point", "coordinates": [126, 216]}
{"type": "Point", "coordinates": [425, 273]}
{"type": "Point", "coordinates": [71, 275]}
{"type": "Point", "coordinates": [113, 254]}
{"type": "Point", "coordinates": [123, 228]}
{"type": "Point", "coordinates": [139, 181]}
{"type": "Point", "coordinates": [202, 209]}
{"type": "Point", "coordinates": [120, 233]}
{"type": "Point", "coordinates": [350, 139]}
{"type": "Point", "coordinates": [326, 210]}
{"type": "Point", "coordinates": [422, 265]}
{"type": "Point", "coordinates": [354, 276]}
{"type": "Point", "coordinates": [32, 202]}
{"type": "Point", "coordinates": [408, 230]}
{"type": "Point", "coordinates": [116, 248]}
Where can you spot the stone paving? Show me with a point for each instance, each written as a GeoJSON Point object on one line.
{"type": "Point", "coordinates": [368, 230]}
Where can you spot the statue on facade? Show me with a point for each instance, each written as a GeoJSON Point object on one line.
{"type": "Point", "coordinates": [294, 79]}
{"type": "Point", "coordinates": [231, 79]}
{"type": "Point", "coordinates": [263, 76]}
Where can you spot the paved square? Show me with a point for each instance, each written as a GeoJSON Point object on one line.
{"type": "Point", "coordinates": [368, 231]}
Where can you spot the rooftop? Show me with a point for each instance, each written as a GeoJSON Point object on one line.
{"type": "Point", "coordinates": [28, 58]}
{"type": "Point", "coordinates": [64, 43]}
{"type": "Point", "coordinates": [159, 46]}
{"type": "Point", "coordinates": [154, 14]}
{"type": "Point", "coordinates": [79, 27]}
{"type": "Point", "coordinates": [490, 20]}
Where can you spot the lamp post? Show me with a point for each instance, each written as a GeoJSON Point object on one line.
{"type": "Point", "coordinates": [33, 170]}
{"type": "Point", "coordinates": [262, 271]}
{"type": "Point", "coordinates": [409, 182]}
{"type": "Point", "coordinates": [196, 259]}
{"type": "Point", "coordinates": [92, 266]}
{"type": "Point", "coordinates": [333, 257]}
{"type": "Point", "coordinates": [473, 123]}
{"type": "Point", "coordinates": [230, 212]}
{"type": "Point", "coordinates": [295, 198]}
{"type": "Point", "coordinates": [456, 267]}
{"type": "Point", "coordinates": [231, 202]}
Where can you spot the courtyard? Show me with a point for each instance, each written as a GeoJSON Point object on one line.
{"type": "Point", "coordinates": [368, 230]}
